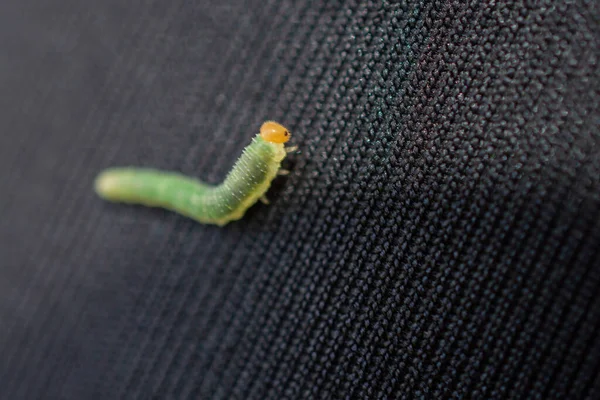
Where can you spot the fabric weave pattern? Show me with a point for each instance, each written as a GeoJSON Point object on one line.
{"type": "Point", "coordinates": [438, 236]}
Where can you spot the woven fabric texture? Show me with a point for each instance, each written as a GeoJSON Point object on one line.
{"type": "Point", "coordinates": [438, 236]}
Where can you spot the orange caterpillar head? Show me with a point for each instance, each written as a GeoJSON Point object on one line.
{"type": "Point", "coordinates": [273, 132]}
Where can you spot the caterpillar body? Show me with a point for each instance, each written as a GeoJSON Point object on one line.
{"type": "Point", "coordinates": [246, 183]}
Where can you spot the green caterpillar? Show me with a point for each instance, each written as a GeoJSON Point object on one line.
{"type": "Point", "coordinates": [245, 184]}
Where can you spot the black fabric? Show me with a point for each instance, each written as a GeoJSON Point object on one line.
{"type": "Point", "coordinates": [438, 236]}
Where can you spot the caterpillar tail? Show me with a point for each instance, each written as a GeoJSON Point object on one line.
{"type": "Point", "coordinates": [147, 187]}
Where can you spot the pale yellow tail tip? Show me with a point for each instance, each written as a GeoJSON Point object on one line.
{"type": "Point", "coordinates": [106, 185]}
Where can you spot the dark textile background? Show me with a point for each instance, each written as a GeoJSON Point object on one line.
{"type": "Point", "coordinates": [438, 237]}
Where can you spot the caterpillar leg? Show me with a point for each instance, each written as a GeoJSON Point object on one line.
{"type": "Point", "coordinates": [264, 199]}
{"type": "Point", "coordinates": [282, 171]}
{"type": "Point", "coordinates": [291, 149]}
